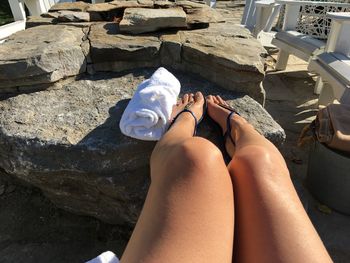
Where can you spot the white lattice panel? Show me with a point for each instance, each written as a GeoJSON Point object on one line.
{"type": "Point", "coordinates": [312, 18]}
{"type": "Point", "coordinates": [313, 21]}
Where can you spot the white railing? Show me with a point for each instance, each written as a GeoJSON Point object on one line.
{"type": "Point", "coordinates": [35, 7]}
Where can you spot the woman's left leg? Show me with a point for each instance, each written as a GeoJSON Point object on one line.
{"type": "Point", "coordinates": [188, 212]}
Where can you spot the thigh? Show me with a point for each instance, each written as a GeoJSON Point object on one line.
{"type": "Point", "coordinates": [188, 213]}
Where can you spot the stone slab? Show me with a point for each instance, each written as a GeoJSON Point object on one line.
{"type": "Point", "coordinates": [42, 54]}
{"type": "Point", "coordinates": [67, 142]}
{"type": "Point", "coordinates": [132, 3]}
{"type": "Point", "coordinates": [228, 55]}
{"type": "Point", "coordinates": [70, 6]}
{"type": "Point", "coordinates": [111, 51]}
{"type": "Point", "coordinates": [142, 20]}
{"type": "Point", "coordinates": [225, 54]}
{"type": "Point", "coordinates": [199, 14]}
{"type": "Point", "coordinates": [33, 21]}
{"type": "Point", "coordinates": [72, 16]}
{"type": "Point", "coordinates": [101, 7]}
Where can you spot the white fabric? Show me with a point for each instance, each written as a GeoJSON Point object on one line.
{"type": "Point", "coordinates": [106, 257]}
{"type": "Point", "coordinates": [147, 115]}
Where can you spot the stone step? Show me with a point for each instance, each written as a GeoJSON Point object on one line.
{"type": "Point", "coordinates": [224, 53]}
{"type": "Point", "coordinates": [142, 20]}
{"type": "Point", "coordinates": [43, 54]}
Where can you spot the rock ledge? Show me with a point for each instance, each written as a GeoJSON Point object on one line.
{"type": "Point", "coordinates": [67, 142]}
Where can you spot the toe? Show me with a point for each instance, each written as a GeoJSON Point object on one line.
{"type": "Point", "coordinates": [185, 98]}
{"type": "Point", "coordinates": [210, 98]}
{"type": "Point", "coordinates": [216, 100]}
{"type": "Point", "coordinates": [221, 100]}
{"type": "Point", "coordinates": [198, 97]}
{"type": "Point", "coordinates": [191, 97]}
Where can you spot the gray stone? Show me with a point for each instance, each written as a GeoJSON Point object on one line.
{"type": "Point", "coordinates": [72, 16]}
{"type": "Point", "coordinates": [67, 142]}
{"type": "Point", "coordinates": [101, 7]}
{"type": "Point", "coordinates": [163, 4]}
{"type": "Point", "coordinates": [53, 15]}
{"type": "Point", "coordinates": [171, 50]}
{"type": "Point", "coordinates": [42, 54]}
{"type": "Point", "coordinates": [105, 12]}
{"type": "Point", "coordinates": [66, 16]}
{"type": "Point", "coordinates": [122, 4]}
{"type": "Point", "coordinates": [116, 52]}
{"type": "Point", "coordinates": [224, 53]}
{"type": "Point", "coordinates": [188, 5]}
{"type": "Point", "coordinates": [74, 6]}
{"type": "Point", "coordinates": [200, 15]}
{"type": "Point", "coordinates": [142, 20]}
{"type": "Point", "coordinates": [33, 21]}
{"type": "Point", "coordinates": [49, 19]}
{"type": "Point", "coordinates": [227, 55]}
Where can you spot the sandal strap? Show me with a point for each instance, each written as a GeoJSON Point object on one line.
{"type": "Point", "coordinates": [195, 119]}
{"type": "Point", "coordinates": [228, 121]}
{"type": "Point", "coordinates": [227, 107]}
{"type": "Point", "coordinates": [229, 128]}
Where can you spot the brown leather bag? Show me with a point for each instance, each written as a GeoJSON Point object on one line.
{"type": "Point", "coordinates": [331, 127]}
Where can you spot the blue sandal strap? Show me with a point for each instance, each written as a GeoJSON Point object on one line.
{"type": "Point", "coordinates": [195, 120]}
{"type": "Point", "coordinates": [227, 107]}
{"type": "Point", "coordinates": [229, 128]}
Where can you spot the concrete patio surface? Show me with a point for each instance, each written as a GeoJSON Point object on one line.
{"type": "Point", "coordinates": [32, 229]}
{"type": "Point", "coordinates": [291, 102]}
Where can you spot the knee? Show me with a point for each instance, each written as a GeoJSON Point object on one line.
{"type": "Point", "coordinates": [256, 159]}
{"type": "Point", "coordinates": [198, 152]}
{"type": "Point", "coordinates": [254, 153]}
{"type": "Point", "coordinates": [191, 154]}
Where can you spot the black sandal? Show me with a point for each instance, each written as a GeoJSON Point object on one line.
{"type": "Point", "coordinates": [227, 134]}
{"type": "Point", "coordinates": [187, 109]}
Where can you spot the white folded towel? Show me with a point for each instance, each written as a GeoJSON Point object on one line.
{"type": "Point", "coordinates": [148, 113]}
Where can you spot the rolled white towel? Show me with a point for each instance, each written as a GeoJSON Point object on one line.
{"type": "Point", "coordinates": [148, 113]}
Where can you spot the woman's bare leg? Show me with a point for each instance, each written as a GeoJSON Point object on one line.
{"type": "Point", "coordinates": [188, 212]}
{"type": "Point", "coordinates": [272, 225]}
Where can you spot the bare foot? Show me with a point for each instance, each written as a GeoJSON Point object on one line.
{"type": "Point", "coordinates": [219, 115]}
{"type": "Point", "coordinates": [195, 103]}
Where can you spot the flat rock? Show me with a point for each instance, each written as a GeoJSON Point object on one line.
{"type": "Point", "coordinates": [225, 54]}
{"type": "Point", "coordinates": [188, 5]}
{"type": "Point", "coordinates": [111, 51]}
{"type": "Point", "coordinates": [163, 4]}
{"type": "Point", "coordinates": [132, 3]}
{"type": "Point", "coordinates": [72, 16]}
{"type": "Point", "coordinates": [204, 15]}
{"type": "Point", "coordinates": [51, 19]}
{"type": "Point", "coordinates": [105, 12]}
{"type": "Point", "coordinates": [78, 6]}
{"type": "Point", "coordinates": [42, 54]}
{"type": "Point", "coordinates": [33, 21]}
{"type": "Point", "coordinates": [142, 20]}
{"type": "Point", "coordinates": [199, 14]}
{"type": "Point", "coordinates": [101, 7]}
{"type": "Point", "coordinates": [68, 143]}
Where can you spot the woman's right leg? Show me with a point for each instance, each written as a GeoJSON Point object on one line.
{"type": "Point", "coordinates": [271, 223]}
{"type": "Point", "coordinates": [188, 215]}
